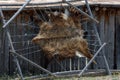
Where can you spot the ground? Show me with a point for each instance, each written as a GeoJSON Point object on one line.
{"type": "Point", "coordinates": [113, 77]}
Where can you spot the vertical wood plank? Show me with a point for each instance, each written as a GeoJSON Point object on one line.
{"type": "Point", "coordinates": [109, 37]}
{"type": "Point", "coordinates": [99, 59]}
{"type": "Point", "coordinates": [1, 47]}
{"type": "Point", "coordinates": [4, 52]}
{"type": "Point", "coordinates": [118, 39]}
{"type": "Point", "coordinates": [91, 40]}
{"type": "Point", "coordinates": [12, 30]}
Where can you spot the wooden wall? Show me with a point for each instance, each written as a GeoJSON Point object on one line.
{"type": "Point", "coordinates": [117, 40]}
{"type": "Point", "coordinates": [108, 27]}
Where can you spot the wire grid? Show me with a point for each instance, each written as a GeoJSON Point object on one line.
{"type": "Point", "coordinates": [22, 31]}
{"type": "Point", "coordinates": [75, 63]}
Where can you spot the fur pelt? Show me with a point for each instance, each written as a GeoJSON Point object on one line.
{"type": "Point", "coordinates": [62, 36]}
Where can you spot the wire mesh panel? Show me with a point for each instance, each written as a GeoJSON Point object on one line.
{"type": "Point", "coordinates": [24, 28]}
{"type": "Point", "coordinates": [21, 35]}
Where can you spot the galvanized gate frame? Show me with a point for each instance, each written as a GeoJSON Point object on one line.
{"type": "Point", "coordinates": [15, 55]}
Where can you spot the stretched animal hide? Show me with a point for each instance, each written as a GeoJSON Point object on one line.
{"type": "Point", "coordinates": [62, 36]}
{"type": "Point", "coordinates": [77, 17]}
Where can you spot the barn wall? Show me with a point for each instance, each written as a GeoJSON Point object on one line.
{"type": "Point", "coordinates": [4, 51]}
{"type": "Point", "coordinates": [117, 39]}
{"type": "Point", "coordinates": [108, 27]}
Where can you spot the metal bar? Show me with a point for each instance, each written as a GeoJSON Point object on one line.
{"type": "Point", "coordinates": [90, 13]}
{"type": "Point", "coordinates": [2, 16]}
{"type": "Point", "coordinates": [10, 41]}
{"type": "Point", "coordinates": [91, 60]}
{"type": "Point", "coordinates": [82, 12]}
{"type": "Point", "coordinates": [32, 63]}
{"type": "Point", "coordinates": [69, 74]}
{"type": "Point", "coordinates": [13, 17]}
{"type": "Point", "coordinates": [15, 58]}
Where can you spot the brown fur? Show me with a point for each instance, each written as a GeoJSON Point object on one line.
{"type": "Point", "coordinates": [57, 20]}
{"type": "Point", "coordinates": [77, 17]}
{"type": "Point", "coordinates": [61, 37]}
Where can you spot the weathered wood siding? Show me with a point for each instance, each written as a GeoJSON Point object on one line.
{"type": "Point", "coordinates": [4, 51]}
{"type": "Point", "coordinates": [117, 40]}
{"type": "Point", "coordinates": [108, 28]}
